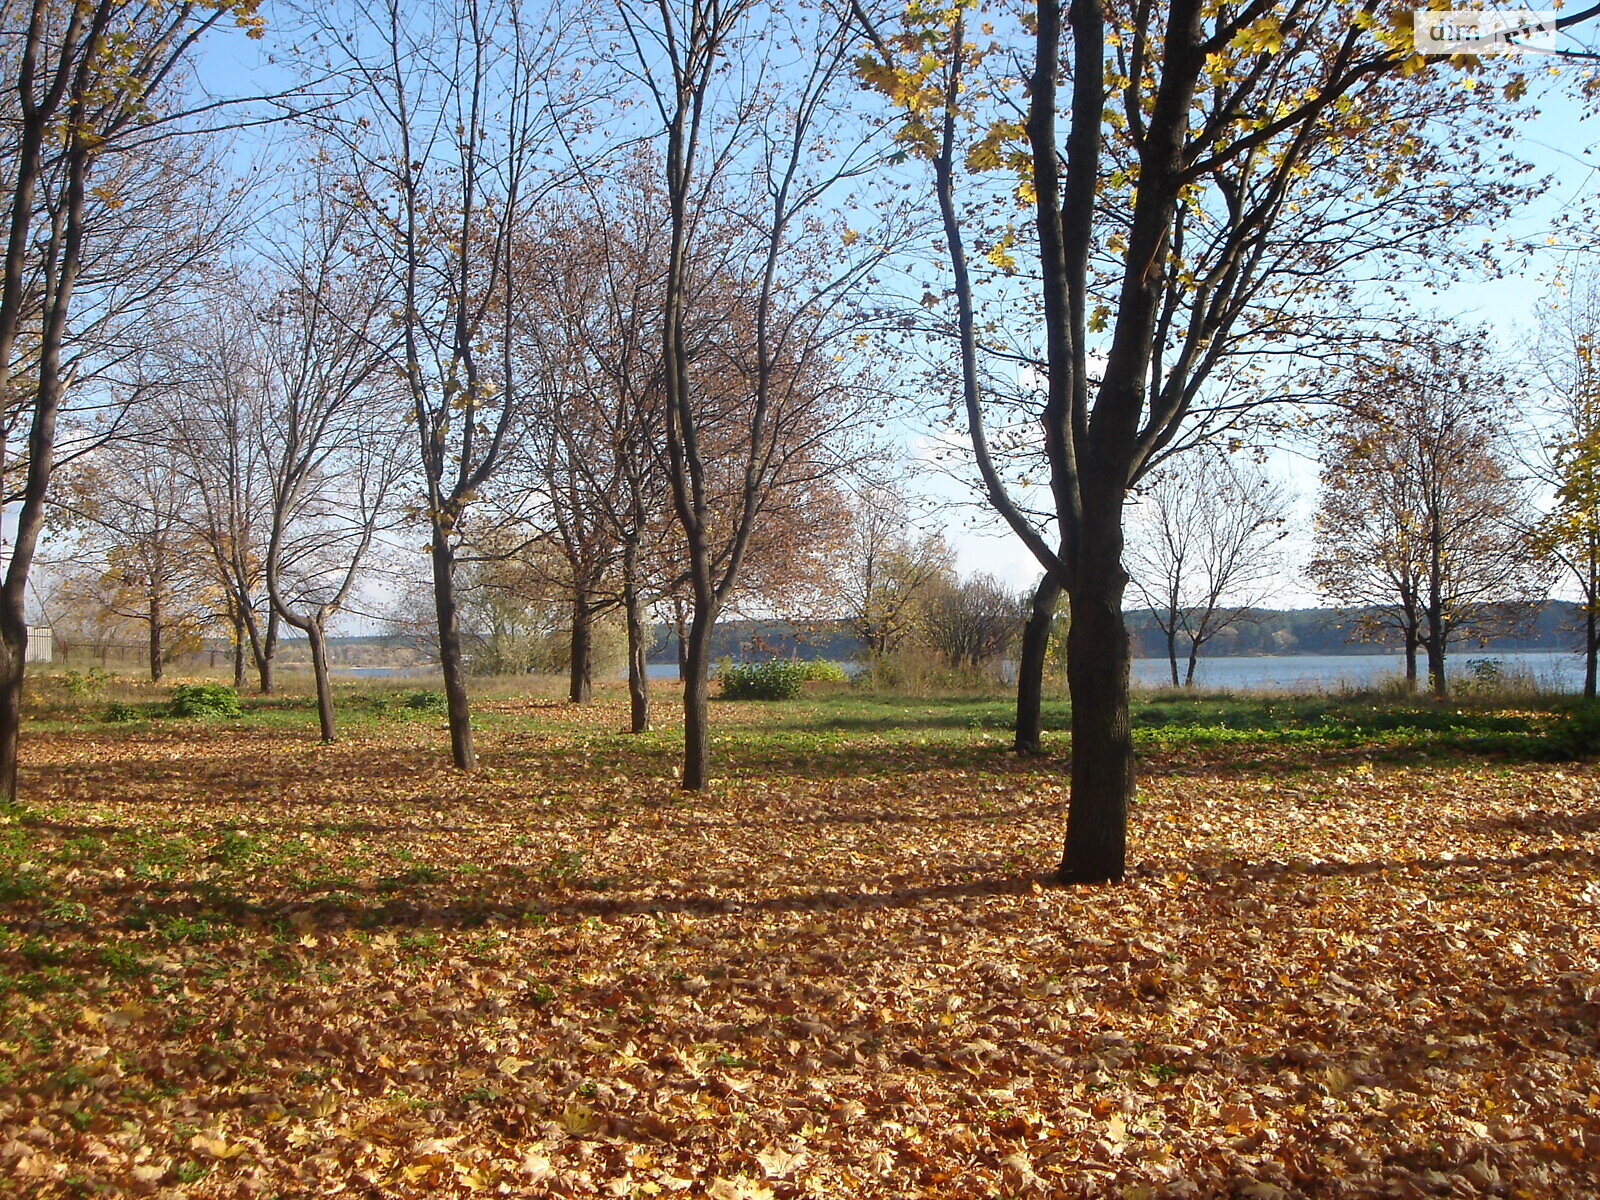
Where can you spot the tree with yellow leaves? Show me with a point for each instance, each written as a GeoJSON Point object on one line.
{"type": "Point", "coordinates": [1208, 185]}
{"type": "Point", "coordinates": [1568, 368]}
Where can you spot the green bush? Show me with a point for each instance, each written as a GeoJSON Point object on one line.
{"type": "Point", "coordinates": [775, 679]}
{"type": "Point", "coordinates": [121, 710]}
{"type": "Point", "coordinates": [427, 702]}
{"type": "Point", "coordinates": [204, 700]}
{"type": "Point", "coordinates": [818, 671]}
{"type": "Point", "coordinates": [1576, 734]}
{"type": "Point", "coordinates": [85, 685]}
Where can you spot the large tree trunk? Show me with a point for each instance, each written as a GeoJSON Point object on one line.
{"type": "Point", "coordinates": [638, 665]}
{"type": "Point", "coordinates": [1030, 666]}
{"type": "Point", "coordinates": [1437, 682]}
{"type": "Point", "coordinates": [1102, 736]}
{"type": "Point", "coordinates": [263, 646]}
{"type": "Point", "coordinates": [1410, 635]}
{"type": "Point", "coordinates": [155, 639]}
{"type": "Point", "coordinates": [319, 669]}
{"type": "Point", "coordinates": [696, 720]}
{"type": "Point", "coordinates": [450, 657]}
{"type": "Point", "coordinates": [580, 671]}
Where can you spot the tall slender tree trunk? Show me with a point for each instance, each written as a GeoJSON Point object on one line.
{"type": "Point", "coordinates": [457, 705]}
{"type": "Point", "coordinates": [580, 671]}
{"type": "Point", "coordinates": [13, 656]}
{"type": "Point", "coordinates": [1591, 646]}
{"type": "Point", "coordinates": [696, 719]}
{"type": "Point", "coordinates": [1591, 622]}
{"type": "Point", "coordinates": [1194, 661]}
{"type": "Point", "coordinates": [680, 626]}
{"type": "Point", "coordinates": [1172, 648]}
{"type": "Point", "coordinates": [155, 638]}
{"type": "Point", "coordinates": [1102, 736]}
{"type": "Point", "coordinates": [1411, 659]}
{"type": "Point", "coordinates": [638, 665]}
{"type": "Point", "coordinates": [267, 660]}
{"type": "Point", "coordinates": [1434, 642]}
{"type": "Point", "coordinates": [238, 651]}
{"type": "Point", "coordinates": [318, 637]}
{"type": "Point", "coordinates": [1030, 666]}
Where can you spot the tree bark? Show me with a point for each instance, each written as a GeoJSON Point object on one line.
{"type": "Point", "coordinates": [680, 626]}
{"type": "Point", "coordinates": [1591, 645]}
{"type": "Point", "coordinates": [1102, 736]}
{"type": "Point", "coordinates": [457, 705]}
{"type": "Point", "coordinates": [1194, 661]}
{"type": "Point", "coordinates": [1411, 660]}
{"type": "Point", "coordinates": [238, 652]}
{"type": "Point", "coordinates": [696, 719]}
{"type": "Point", "coordinates": [319, 668]}
{"type": "Point", "coordinates": [263, 646]}
{"type": "Point", "coordinates": [580, 670]}
{"type": "Point", "coordinates": [1030, 666]}
{"type": "Point", "coordinates": [155, 639]}
{"type": "Point", "coordinates": [1437, 683]}
{"type": "Point", "coordinates": [13, 656]}
{"type": "Point", "coordinates": [1172, 650]}
{"type": "Point", "coordinates": [638, 666]}
{"type": "Point", "coordinates": [267, 659]}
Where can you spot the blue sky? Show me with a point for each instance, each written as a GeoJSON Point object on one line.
{"type": "Point", "coordinates": [1560, 141]}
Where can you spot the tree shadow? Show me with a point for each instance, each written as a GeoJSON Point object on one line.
{"type": "Point", "coordinates": [1540, 822]}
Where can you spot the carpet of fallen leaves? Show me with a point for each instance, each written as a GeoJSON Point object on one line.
{"type": "Point", "coordinates": [238, 963]}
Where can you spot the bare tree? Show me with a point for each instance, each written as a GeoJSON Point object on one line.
{"type": "Point", "coordinates": [212, 409]}
{"type": "Point", "coordinates": [1205, 548]}
{"type": "Point", "coordinates": [86, 81]}
{"type": "Point", "coordinates": [330, 433]}
{"type": "Point", "coordinates": [890, 566]}
{"type": "Point", "coordinates": [129, 520]}
{"type": "Point", "coordinates": [774, 146]}
{"type": "Point", "coordinates": [451, 109]}
{"type": "Point", "coordinates": [1421, 525]}
{"type": "Point", "coordinates": [970, 622]}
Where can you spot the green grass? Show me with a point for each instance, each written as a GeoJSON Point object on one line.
{"type": "Point", "coordinates": [841, 730]}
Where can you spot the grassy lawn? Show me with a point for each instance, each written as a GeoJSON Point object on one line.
{"type": "Point", "coordinates": [1359, 955]}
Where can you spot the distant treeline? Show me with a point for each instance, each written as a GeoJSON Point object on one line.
{"type": "Point", "coordinates": [1550, 626]}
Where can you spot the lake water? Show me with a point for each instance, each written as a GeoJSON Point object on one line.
{"type": "Point", "coordinates": [1550, 670]}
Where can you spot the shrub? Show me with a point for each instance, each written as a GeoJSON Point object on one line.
{"type": "Point", "coordinates": [427, 702]}
{"type": "Point", "coordinates": [121, 710]}
{"type": "Point", "coordinates": [1485, 675]}
{"type": "Point", "coordinates": [818, 671]}
{"type": "Point", "coordinates": [204, 700]}
{"type": "Point", "coordinates": [84, 685]}
{"type": "Point", "coordinates": [776, 679]}
{"type": "Point", "coordinates": [1576, 734]}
